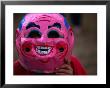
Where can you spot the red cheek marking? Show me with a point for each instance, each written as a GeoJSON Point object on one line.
{"type": "Point", "coordinates": [61, 46]}
{"type": "Point", "coordinates": [62, 49]}
{"type": "Point", "coordinates": [26, 47]}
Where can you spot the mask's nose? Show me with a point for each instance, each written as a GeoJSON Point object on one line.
{"type": "Point", "coordinates": [43, 40]}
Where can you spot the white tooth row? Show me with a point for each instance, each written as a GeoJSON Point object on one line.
{"type": "Point", "coordinates": [43, 52]}
{"type": "Point", "coordinates": [43, 47]}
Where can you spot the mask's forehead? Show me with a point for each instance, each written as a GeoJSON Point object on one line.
{"type": "Point", "coordinates": [50, 16]}
{"type": "Point", "coordinates": [35, 16]}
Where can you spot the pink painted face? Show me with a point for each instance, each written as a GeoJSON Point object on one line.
{"type": "Point", "coordinates": [43, 41]}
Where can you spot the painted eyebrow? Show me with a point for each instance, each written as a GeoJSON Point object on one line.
{"type": "Point", "coordinates": [32, 24]}
{"type": "Point", "coordinates": [58, 25]}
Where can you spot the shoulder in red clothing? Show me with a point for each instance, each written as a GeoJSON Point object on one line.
{"type": "Point", "coordinates": [78, 69]}
{"type": "Point", "coordinates": [19, 70]}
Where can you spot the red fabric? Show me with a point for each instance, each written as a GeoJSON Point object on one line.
{"type": "Point", "coordinates": [78, 69]}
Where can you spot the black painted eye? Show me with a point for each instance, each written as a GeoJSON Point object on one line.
{"type": "Point", "coordinates": [34, 34]}
{"type": "Point", "coordinates": [53, 34]}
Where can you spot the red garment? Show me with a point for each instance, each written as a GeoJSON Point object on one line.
{"type": "Point", "coordinates": [78, 69]}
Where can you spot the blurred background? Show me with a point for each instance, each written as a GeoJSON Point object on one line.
{"type": "Point", "coordinates": [85, 31]}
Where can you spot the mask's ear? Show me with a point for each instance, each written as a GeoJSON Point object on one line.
{"type": "Point", "coordinates": [17, 40]}
{"type": "Point", "coordinates": [71, 42]}
{"type": "Point", "coordinates": [71, 38]}
{"type": "Point", "coordinates": [17, 33]}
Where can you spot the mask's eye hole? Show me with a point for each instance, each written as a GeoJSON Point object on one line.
{"type": "Point", "coordinates": [53, 34]}
{"type": "Point", "coordinates": [34, 34]}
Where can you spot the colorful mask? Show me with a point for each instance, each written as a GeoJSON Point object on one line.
{"type": "Point", "coordinates": [43, 41]}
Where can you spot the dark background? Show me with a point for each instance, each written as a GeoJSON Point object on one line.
{"type": "Point", "coordinates": [85, 31]}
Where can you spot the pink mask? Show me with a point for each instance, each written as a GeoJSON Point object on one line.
{"type": "Point", "coordinates": [43, 42]}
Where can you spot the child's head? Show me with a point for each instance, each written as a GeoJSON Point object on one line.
{"type": "Point", "coordinates": [43, 41]}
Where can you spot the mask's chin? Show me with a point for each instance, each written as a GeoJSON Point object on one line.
{"type": "Point", "coordinates": [43, 58]}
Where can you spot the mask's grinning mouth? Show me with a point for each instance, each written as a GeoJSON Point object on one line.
{"type": "Point", "coordinates": [43, 50]}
